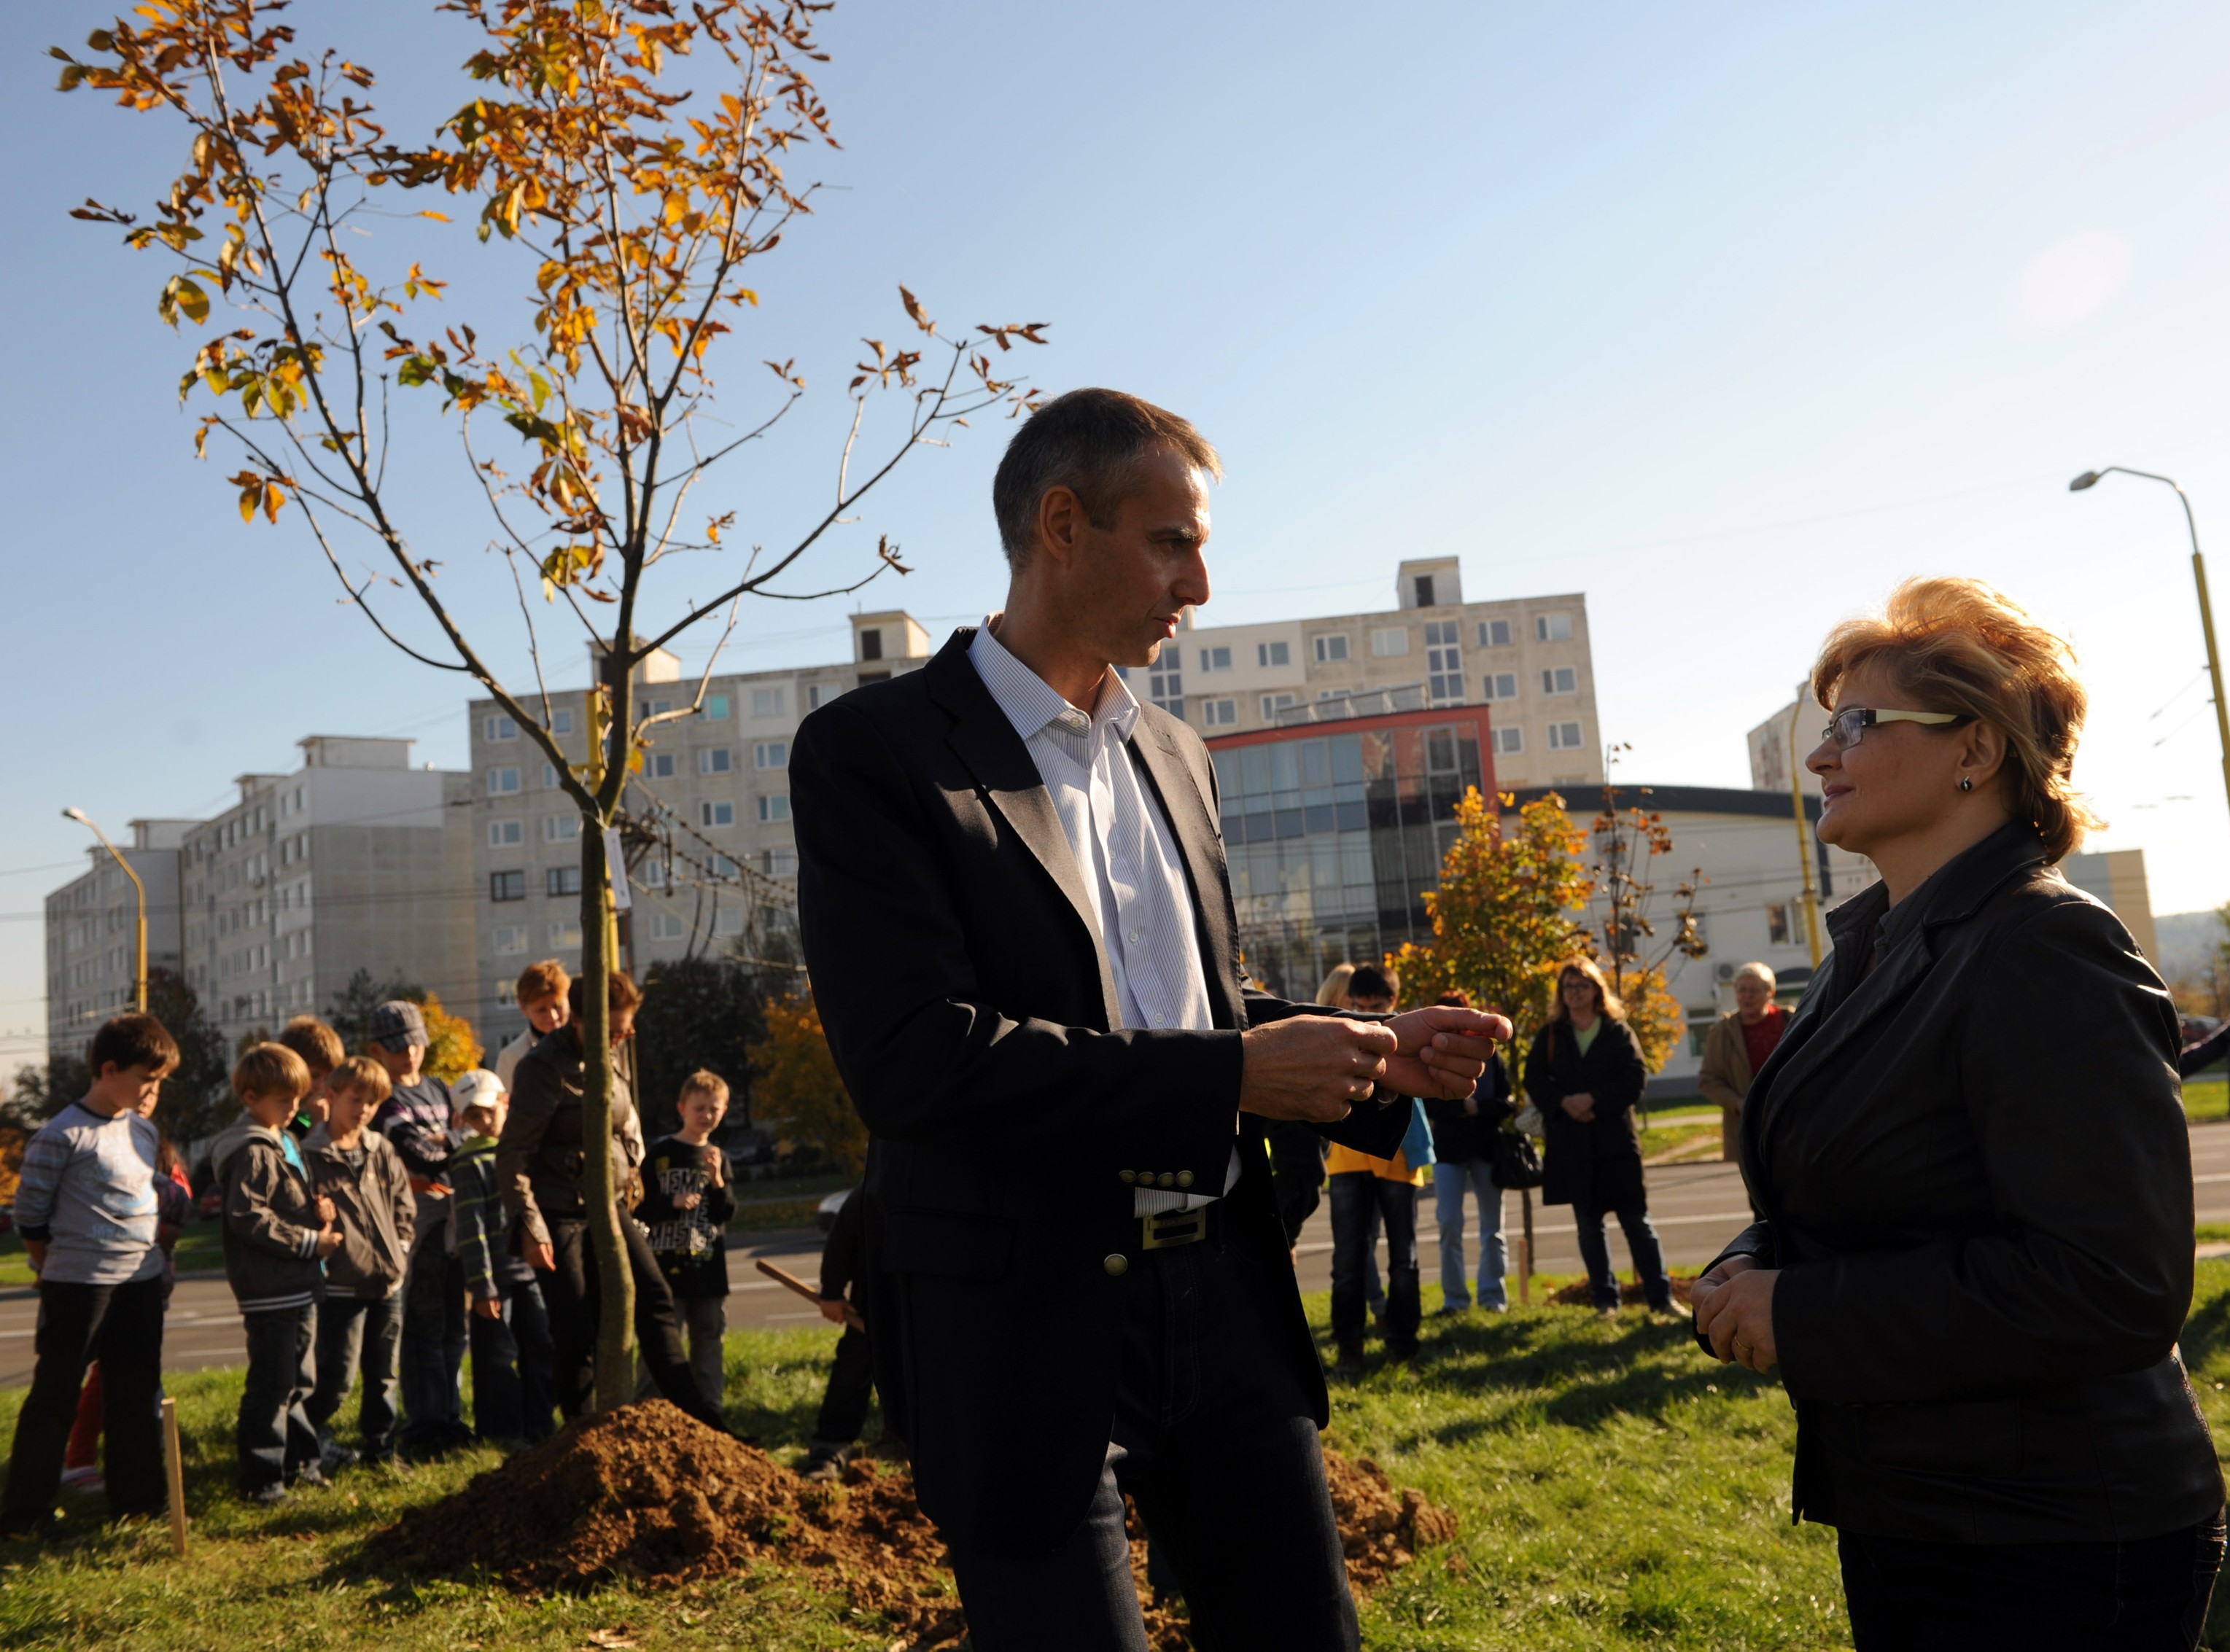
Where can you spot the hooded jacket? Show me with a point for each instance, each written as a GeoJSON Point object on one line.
{"type": "Point", "coordinates": [271, 1223]}
{"type": "Point", "coordinates": [374, 1209]}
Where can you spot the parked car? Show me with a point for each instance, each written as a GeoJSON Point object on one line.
{"type": "Point", "coordinates": [826, 1215]}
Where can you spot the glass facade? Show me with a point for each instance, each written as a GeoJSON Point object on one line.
{"type": "Point", "coordinates": [1333, 836]}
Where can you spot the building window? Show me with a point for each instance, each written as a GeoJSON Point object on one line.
{"type": "Point", "coordinates": [1562, 679]}
{"type": "Point", "coordinates": [561, 880]}
{"type": "Point", "coordinates": [1424, 583]}
{"type": "Point", "coordinates": [1444, 662]}
{"type": "Point", "coordinates": [713, 759]}
{"type": "Point", "coordinates": [502, 782]}
{"type": "Point", "coordinates": [506, 886]}
{"type": "Point", "coordinates": [1563, 737]}
{"type": "Point", "coordinates": [1780, 926]}
{"type": "Point", "coordinates": [771, 753]}
{"type": "Point", "coordinates": [506, 834]}
{"type": "Point", "coordinates": [875, 677]}
{"type": "Point", "coordinates": [1215, 659]}
{"type": "Point", "coordinates": [773, 806]}
{"type": "Point", "coordinates": [1552, 628]}
{"type": "Point", "coordinates": [871, 645]}
{"type": "Point", "coordinates": [1274, 653]}
{"type": "Point", "coordinates": [1509, 742]}
{"type": "Point", "coordinates": [1166, 690]}
{"type": "Point", "coordinates": [565, 932]}
{"type": "Point", "coordinates": [561, 722]}
{"type": "Point", "coordinates": [500, 728]}
{"type": "Point", "coordinates": [1219, 714]}
{"type": "Point", "coordinates": [658, 765]}
{"type": "Point", "coordinates": [766, 702]}
{"type": "Point", "coordinates": [656, 708]}
{"type": "Point", "coordinates": [778, 862]}
{"type": "Point", "coordinates": [549, 778]}
{"type": "Point", "coordinates": [510, 938]}
{"type": "Point", "coordinates": [1274, 703]}
{"type": "Point", "coordinates": [1332, 648]}
{"type": "Point", "coordinates": [728, 922]}
{"type": "Point", "coordinates": [723, 867]}
{"type": "Point", "coordinates": [711, 813]}
{"type": "Point", "coordinates": [651, 874]}
{"type": "Point", "coordinates": [1501, 685]}
{"type": "Point", "coordinates": [813, 691]}
{"type": "Point", "coordinates": [561, 828]}
{"type": "Point", "coordinates": [716, 707]}
{"type": "Point", "coordinates": [1395, 639]}
{"type": "Point", "coordinates": [667, 926]}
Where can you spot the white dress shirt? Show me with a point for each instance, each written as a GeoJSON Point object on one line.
{"type": "Point", "coordinates": [1124, 850]}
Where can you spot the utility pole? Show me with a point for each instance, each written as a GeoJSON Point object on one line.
{"type": "Point", "coordinates": [1804, 841]}
{"type": "Point", "coordinates": [140, 973]}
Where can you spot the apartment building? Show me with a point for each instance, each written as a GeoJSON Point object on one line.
{"type": "Point", "coordinates": [1526, 659]}
{"type": "Point", "coordinates": [354, 861]}
{"type": "Point", "coordinates": [92, 932]}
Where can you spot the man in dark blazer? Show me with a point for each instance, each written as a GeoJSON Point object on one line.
{"type": "Point", "coordinates": [1022, 940]}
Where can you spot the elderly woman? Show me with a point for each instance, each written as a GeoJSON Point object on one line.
{"type": "Point", "coordinates": [1736, 1047]}
{"type": "Point", "coordinates": [1585, 1073]}
{"type": "Point", "coordinates": [1973, 1250]}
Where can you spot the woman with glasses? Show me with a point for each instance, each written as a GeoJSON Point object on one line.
{"type": "Point", "coordinates": [1968, 1159]}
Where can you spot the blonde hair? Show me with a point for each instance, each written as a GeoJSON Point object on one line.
{"type": "Point", "coordinates": [1607, 1003]}
{"type": "Point", "coordinates": [271, 1069]}
{"type": "Point", "coordinates": [362, 1072]}
{"type": "Point", "coordinates": [1958, 644]}
{"type": "Point", "coordinates": [702, 1083]}
{"type": "Point", "coordinates": [1335, 985]}
{"type": "Point", "coordinates": [317, 1044]}
{"type": "Point", "coordinates": [1759, 973]}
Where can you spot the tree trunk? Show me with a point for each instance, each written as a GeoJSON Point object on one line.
{"type": "Point", "coordinates": [615, 1281]}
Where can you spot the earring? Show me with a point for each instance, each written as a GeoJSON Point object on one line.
{"type": "Point", "coordinates": [1966, 783]}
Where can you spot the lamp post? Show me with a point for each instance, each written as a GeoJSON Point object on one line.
{"type": "Point", "coordinates": [139, 975]}
{"type": "Point", "coordinates": [1804, 848]}
{"type": "Point", "coordinates": [2090, 479]}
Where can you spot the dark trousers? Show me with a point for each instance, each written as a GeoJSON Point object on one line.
{"type": "Point", "coordinates": [1359, 1200]}
{"type": "Point", "coordinates": [513, 1363]}
{"type": "Point", "coordinates": [275, 1437]}
{"type": "Point", "coordinates": [121, 1326]}
{"type": "Point", "coordinates": [1214, 1438]}
{"type": "Point", "coordinates": [572, 1294]}
{"type": "Point", "coordinates": [2149, 1594]}
{"type": "Point", "coordinates": [1216, 1441]}
{"type": "Point", "coordinates": [1640, 1241]}
{"type": "Point", "coordinates": [358, 1336]}
{"type": "Point", "coordinates": [1297, 1173]}
{"type": "Point", "coordinates": [851, 1382]}
{"type": "Point", "coordinates": [433, 1337]}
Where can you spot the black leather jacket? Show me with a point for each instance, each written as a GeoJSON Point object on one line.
{"type": "Point", "coordinates": [1968, 1158]}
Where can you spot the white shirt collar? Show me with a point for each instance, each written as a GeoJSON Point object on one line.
{"type": "Point", "coordinates": [1031, 703]}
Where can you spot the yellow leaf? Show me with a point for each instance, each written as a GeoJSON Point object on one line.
{"type": "Point", "coordinates": [438, 217]}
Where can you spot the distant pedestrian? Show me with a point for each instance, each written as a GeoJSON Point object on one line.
{"type": "Point", "coordinates": [418, 1120]}
{"type": "Point", "coordinates": [687, 1202]}
{"type": "Point", "coordinates": [86, 1208]}
{"type": "Point", "coordinates": [513, 1359]}
{"type": "Point", "coordinates": [1463, 1162]}
{"type": "Point", "coordinates": [278, 1231]}
{"type": "Point", "coordinates": [852, 1378]}
{"type": "Point", "coordinates": [360, 1322]}
{"type": "Point", "coordinates": [1735, 1047]}
{"type": "Point", "coordinates": [1585, 1074]}
{"type": "Point", "coordinates": [541, 992]}
{"type": "Point", "coordinates": [1364, 1188]}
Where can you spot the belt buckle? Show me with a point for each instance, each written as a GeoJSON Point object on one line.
{"type": "Point", "coordinates": [1166, 1229]}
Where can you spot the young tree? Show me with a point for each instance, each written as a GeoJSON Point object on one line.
{"type": "Point", "coordinates": [638, 204]}
{"type": "Point", "coordinates": [1628, 841]}
{"type": "Point", "coordinates": [798, 1093]}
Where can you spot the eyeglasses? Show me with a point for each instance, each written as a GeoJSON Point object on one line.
{"type": "Point", "coordinates": [1848, 727]}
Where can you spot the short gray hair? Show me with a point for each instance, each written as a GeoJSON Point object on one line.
{"type": "Point", "coordinates": [1757, 972]}
{"type": "Point", "coordinates": [1088, 441]}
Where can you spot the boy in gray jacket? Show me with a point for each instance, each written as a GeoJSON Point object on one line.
{"type": "Point", "coordinates": [360, 1322]}
{"type": "Point", "coordinates": [277, 1233]}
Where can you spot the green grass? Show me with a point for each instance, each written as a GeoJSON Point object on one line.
{"type": "Point", "coordinates": [1613, 1489]}
{"type": "Point", "coordinates": [2207, 1098]}
{"type": "Point", "coordinates": [200, 1250]}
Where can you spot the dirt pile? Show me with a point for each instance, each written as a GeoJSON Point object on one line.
{"type": "Point", "coordinates": [1579, 1293]}
{"type": "Point", "coordinates": [648, 1493]}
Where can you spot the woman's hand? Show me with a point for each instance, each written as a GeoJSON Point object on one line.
{"type": "Point", "coordinates": [1580, 1106]}
{"type": "Point", "coordinates": [1734, 1311]}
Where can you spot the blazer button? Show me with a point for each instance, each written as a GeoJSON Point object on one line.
{"type": "Point", "coordinates": [1165, 1179]}
{"type": "Point", "coordinates": [1185, 1179]}
{"type": "Point", "coordinates": [1126, 1175]}
{"type": "Point", "coordinates": [1118, 1263]}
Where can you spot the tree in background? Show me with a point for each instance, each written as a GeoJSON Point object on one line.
{"type": "Point", "coordinates": [197, 1100]}
{"type": "Point", "coordinates": [453, 1048]}
{"type": "Point", "coordinates": [1628, 842]}
{"type": "Point", "coordinates": [798, 1094]}
{"type": "Point", "coordinates": [631, 162]}
{"type": "Point", "coordinates": [697, 1012]}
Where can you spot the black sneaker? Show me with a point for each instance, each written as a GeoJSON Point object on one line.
{"type": "Point", "coordinates": [336, 1457]}
{"type": "Point", "coordinates": [310, 1474]}
{"type": "Point", "coordinates": [1350, 1363]}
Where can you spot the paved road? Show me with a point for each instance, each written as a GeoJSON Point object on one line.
{"type": "Point", "coordinates": [1696, 1207]}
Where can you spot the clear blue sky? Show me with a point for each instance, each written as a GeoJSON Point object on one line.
{"type": "Point", "coordinates": [1728, 316]}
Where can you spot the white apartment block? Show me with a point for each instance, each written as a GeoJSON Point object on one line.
{"type": "Point", "coordinates": [1527, 659]}
{"type": "Point", "coordinates": [354, 861]}
{"type": "Point", "coordinates": [92, 933]}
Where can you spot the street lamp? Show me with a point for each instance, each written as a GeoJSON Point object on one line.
{"type": "Point", "coordinates": [2090, 479]}
{"type": "Point", "coordinates": [139, 977]}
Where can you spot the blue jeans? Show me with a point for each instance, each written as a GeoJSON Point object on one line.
{"type": "Point", "coordinates": [1359, 1200]}
{"type": "Point", "coordinates": [275, 1437]}
{"type": "Point", "coordinates": [1449, 1181]}
{"type": "Point", "coordinates": [1640, 1241]}
{"type": "Point", "coordinates": [356, 1334]}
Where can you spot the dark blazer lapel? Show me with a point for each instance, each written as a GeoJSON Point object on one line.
{"type": "Point", "coordinates": [987, 742]}
{"type": "Point", "coordinates": [1200, 847]}
{"type": "Point", "coordinates": [1877, 996]}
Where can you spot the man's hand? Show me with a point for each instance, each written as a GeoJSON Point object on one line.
{"type": "Point", "coordinates": [832, 1309]}
{"type": "Point", "coordinates": [488, 1308]}
{"type": "Point", "coordinates": [36, 1249]}
{"type": "Point", "coordinates": [329, 1242]}
{"type": "Point", "coordinates": [542, 1257]}
{"type": "Point", "coordinates": [325, 1210]}
{"type": "Point", "coordinates": [1580, 1106]}
{"type": "Point", "coordinates": [1441, 1050]}
{"type": "Point", "coordinates": [1312, 1068]}
{"type": "Point", "coordinates": [1734, 1311]}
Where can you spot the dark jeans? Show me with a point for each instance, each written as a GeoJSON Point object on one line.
{"type": "Point", "coordinates": [1358, 1199]}
{"type": "Point", "coordinates": [1640, 1241]}
{"type": "Point", "coordinates": [572, 1296]}
{"type": "Point", "coordinates": [433, 1338]}
{"type": "Point", "coordinates": [121, 1326]}
{"type": "Point", "coordinates": [353, 1335]}
{"type": "Point", "coordinates": [513, 1365]}
{"type": "Point", "coordinates": [2148, 1595]}
{"type": "Point", "coordinates": [1215, 1439]}
{"type": "Point", "coordinates": [276, 1438]}
{"type": "Point", "coordinates": [851, 1381]}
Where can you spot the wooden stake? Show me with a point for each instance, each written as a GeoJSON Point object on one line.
{"type": "Point", "coordinates": [175, 1469]}
{"type": "Point", "coordinates": [1526, 1250]}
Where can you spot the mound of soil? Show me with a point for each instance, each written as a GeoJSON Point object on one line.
{"type": "Point", "coordinates": [650, 1495]}
{"type": "Point", "coordinates": [1579, 1293]}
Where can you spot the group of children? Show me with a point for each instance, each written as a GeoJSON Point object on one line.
{"type": "Point", "coordinates": [367, 1239]}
